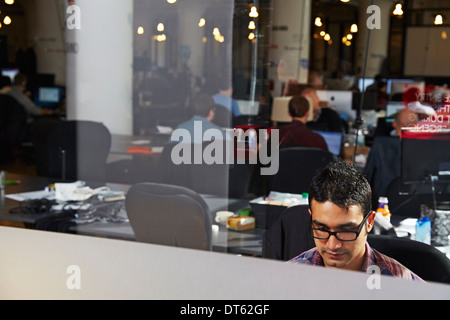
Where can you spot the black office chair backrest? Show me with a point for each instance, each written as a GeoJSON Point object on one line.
{"type": "Point", "coordinates": [223, 117]}
{"type": "Point", "coordinates": [298, 166]}
{"type": "Point", "coordinates": [424, 260]}
{"type": "Point", "coordinates": [169, 215]}
{"type": "Point", "coordinates": [12, 121]}
{"type": "Point", "coordinates": [72, 150]}
{"type": "Point", "coordinates": [289, 235]}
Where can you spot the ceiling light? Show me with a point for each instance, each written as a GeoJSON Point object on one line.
{"type": "Point", "coordinates": [438, 20]}
{"type": "Point", "coordinates": [252, 25]}
{"type": "Point", "coordinates": [160, 27]}
{"type": "Point", "coordinates": [202, 22]}
{"type": "Point", "coordinates": [7, 20]}
{"type": "Point", "coordinates": [254, 13]}
{"type": "Point", "coordinates": [318, 22]}
{"type": "Point", "coordinates": [171, 1]}
{"type": "Point", "coordinates": [354, 28]}
{"type": "Point", "coordinates": [398, 11]}
{"type": "Point", "coordinates": [9, 1]}
{"type": "Point", "coordinates": [251, 36]}
{"type": "Point", "coordinates": [327, 37]}
{"type": "Point", "coordinates": [140, 30]}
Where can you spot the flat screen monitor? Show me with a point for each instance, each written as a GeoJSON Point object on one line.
{"type": "Point", "coordinates": [48, 97]}
{"type": "Point", "coordinates": [333, 140]}
{"type": "Point", "coordinates": [370, 101]}
{"type": "Point", "coordinates": [363, 83]}
{"type": "Point", "coordinates": [341, 101]}
{"type": "Point", "coordinates": [10, 73]}
{"type": "Point", "coordinates": [392, 83]}
{"type": "Point", "coordinates": [392, 108]}
{"type": "Point", "coordinates": [425, 156]}
{"type": "Point", "coordinates": [247, 107]}
{"type": "Point", "coordinates": [280, 109]}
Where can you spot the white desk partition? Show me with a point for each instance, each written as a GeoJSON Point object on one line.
{"type": "Point", "coordinates": [45, 265]}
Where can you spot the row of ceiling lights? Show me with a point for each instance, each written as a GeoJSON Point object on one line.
{"type": "Point", "coordinates": [161, 37]}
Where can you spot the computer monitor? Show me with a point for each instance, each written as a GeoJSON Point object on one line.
{"type": "Point", "coordinates": [280, 109]}
{"type": "Point", "coordinates": [403, 86]}
{"type": "Point", "coordinates": [48, 97]}
{"type": "Point", "coordinates": [390, 83]}
{"type": "Point", "coordinates": [10, 73]}
{"type": "Point", "coordinates": [333, 140]}
{"type": "Point", "coordinates": [370, 101]}
{"type": "Point", "coordinates": [341, 101]}
{"type": "Point", "coordinates": [363, 83]}
{"type": "Point", "coordinates": [392, 108]}
{"type": "Point", "coordinates": [247, 107]}
{"type": "Point", "coordinates": [425, 159]}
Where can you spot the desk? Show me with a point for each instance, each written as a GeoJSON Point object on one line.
{"type": "Point", "coordinates": [224, 240]}
{"type": "Point", "coordinates": [121, 144]}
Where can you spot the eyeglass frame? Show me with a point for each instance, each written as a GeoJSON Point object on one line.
{"type": "Point", "coordinates": [334, 233]}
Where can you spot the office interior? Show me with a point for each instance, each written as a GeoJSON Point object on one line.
{"type": "Point", "coordinates": [138, 67]}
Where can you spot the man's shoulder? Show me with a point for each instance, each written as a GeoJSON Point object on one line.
{"type": "Point", "coordinates": [392, 267]}
{"type": "Point", "coordinates": [307, 257]}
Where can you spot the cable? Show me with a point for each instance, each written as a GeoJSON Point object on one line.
{"type": "Point", "coordinates": [359, 121]}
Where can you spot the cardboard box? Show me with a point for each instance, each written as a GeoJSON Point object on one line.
{"type": "Point", "coordinates": [241, 223]}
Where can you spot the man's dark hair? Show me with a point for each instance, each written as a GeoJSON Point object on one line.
{"type": "Point", "coordinates": [298, 106]}
{"type": "Point", "coordinates": [202, 104]}
{"type": "Point", "coordinates": [342, 184]}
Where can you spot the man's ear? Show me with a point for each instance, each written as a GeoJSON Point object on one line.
{"type": "Point", "coordinates": [309, 210]}
{"type": "Point", "coordinates": [371, 221]}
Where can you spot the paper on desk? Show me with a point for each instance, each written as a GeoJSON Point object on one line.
{"type": "Point", "coordinates": [282, 199]}
{"type": "Point", "coordinates": [33, 195]}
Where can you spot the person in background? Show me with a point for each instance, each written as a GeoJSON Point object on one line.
{"type": "Point", "coordinates": [340, 206]}
{"type": "Point", "coordinates": [383, 163]}
{"type": "Point", "coordinates": [325, 118]}
{"type": "Point", "coordinates": [296, 133]}
{"type": "Point", "coordinates": [224, 97]}
{"type": "Point", "coordinates": [19, 93]}
{"type": "Point", "coordinates": [203, 108]}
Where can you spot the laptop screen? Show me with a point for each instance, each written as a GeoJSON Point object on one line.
{"type": "Point", "coordinates": [48, 96]}
{"type": "Point", "coordinates": [333, 140]}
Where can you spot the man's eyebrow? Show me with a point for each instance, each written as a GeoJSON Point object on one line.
{"type": "Point", "coordinates": [344, 225]}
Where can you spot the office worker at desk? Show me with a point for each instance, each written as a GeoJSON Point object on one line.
{"type": "Point", "coordinates": [18, 92]}
{"type": "Point", "coordinates": [203, 108]}
{"type": "Point", "coordinates": [296, 133]}
{"type": "Point", "coordinates": [325, 118]}
{"type": "Point", "coordinates": [341, 218]}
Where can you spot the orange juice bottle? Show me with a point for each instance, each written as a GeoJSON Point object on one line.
{"type": "Point", "coordinates": [383, 208]}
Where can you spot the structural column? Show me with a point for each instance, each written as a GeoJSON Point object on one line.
{"type": "Point", "coordinates": [99, 43]}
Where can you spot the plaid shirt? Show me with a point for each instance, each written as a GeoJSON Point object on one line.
{"type": "Point", "coordinates": [387, 265]}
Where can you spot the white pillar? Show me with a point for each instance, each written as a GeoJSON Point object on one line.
{"type": "Point", "coordinates": [290, 42]}
{"type": "Point", "coordinates": [99, 64]}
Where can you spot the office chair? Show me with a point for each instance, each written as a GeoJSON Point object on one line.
{"type": "Point", "coordinates": [297, 168]}
{"type": "Point", "coordinates": [289, 235]}
{"type": "Point", "coordinates": [424, 260]}
{"type": "Point", "coordinates": [216, 179]}
{"type": "Point", "coordinates": [169, 215]}
{"type": "Point", "coordinates": [12, 126]}
{"type": "Point", "coordinates": [71, 150]}
{"type": "Point", "coordinates": [222, 117]}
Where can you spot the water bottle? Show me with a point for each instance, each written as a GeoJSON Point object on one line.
{"type": "Point", "coordinates": [423, 230]}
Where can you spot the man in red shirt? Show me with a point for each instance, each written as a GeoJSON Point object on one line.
{"type": "Point", "coordinates": [296, 133]}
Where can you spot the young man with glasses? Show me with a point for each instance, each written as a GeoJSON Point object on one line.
{"type": "Point", "coordinates": [341, 218]}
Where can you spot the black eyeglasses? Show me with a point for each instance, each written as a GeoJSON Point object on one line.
{"type": "Point", "coordinates": [323, 234]}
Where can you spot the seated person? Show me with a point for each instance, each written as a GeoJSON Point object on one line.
{"type": "Point", "coordinates": [225, 98]}
{"type": "Point", "coordinates": [203, 107]}
{"type": "Point", "coordinates": [383, 163]}
{"type": "Point", "coordinates": [325, 118]}
{"type": "Point", "coordinates": [18, 92]}
{"type": "Point", "coordinates": [296, 133]}
{"type": "Point", "coordinates": [341, 219]}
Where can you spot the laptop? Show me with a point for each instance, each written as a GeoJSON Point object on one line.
{"type": "Point", "coordinates": [333, 140]}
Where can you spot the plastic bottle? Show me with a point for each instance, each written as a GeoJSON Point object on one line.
{"type": "Point", "coordinates": [383, 208]}
{"type": "Point", "coordinates": [423, 230]}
